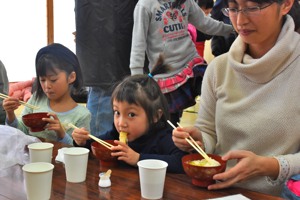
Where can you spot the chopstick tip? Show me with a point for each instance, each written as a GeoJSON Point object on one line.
{"type": "Point", "coordinates": [171, 124]}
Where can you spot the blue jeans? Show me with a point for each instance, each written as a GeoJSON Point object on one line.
{"type": "Point", "coordinates": [101, 110]}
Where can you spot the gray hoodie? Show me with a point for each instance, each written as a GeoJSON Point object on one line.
{"type": "Point", "coordinates": [160, 29]}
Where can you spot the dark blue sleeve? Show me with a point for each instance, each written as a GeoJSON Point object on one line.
{"type": "Point", "coordinates": [166, 151]}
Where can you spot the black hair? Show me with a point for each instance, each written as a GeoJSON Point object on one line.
{"type": "Point", "coordinates": [260, 2]}
{"type": "Point", "coordinates": [201, 3]}
{"type": "Point", "coordinates": [56, 56]}
{"type": "Point", "coordinates": [143, 90]}
{"type": "Point", "coordinates": [177, 3]}
{"type": "Point", "coordinates": [205, 3]}
{"type": "Point", "coordinates": [294, 12]}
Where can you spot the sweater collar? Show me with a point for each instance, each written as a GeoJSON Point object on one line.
{"type": "Point", "coordinates": [277, 59]}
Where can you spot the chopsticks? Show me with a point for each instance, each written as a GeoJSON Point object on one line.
{"type": "Point", "coordinates": [4, 96]}
{"type": "Point", "coordinates": [102, 142]}
{"type": "Point", "coordinates": [107, 145]}
{"type": "Point", "coordinates": [194, 144]}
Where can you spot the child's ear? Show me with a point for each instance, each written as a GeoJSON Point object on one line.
{"type": "Point", "coordinates": [72, 78]}
{"type": "Point", "coordinates": [158, 115]}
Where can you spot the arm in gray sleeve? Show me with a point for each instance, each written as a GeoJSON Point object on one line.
{"type": "Point", "coordinates": [206, 24]}
{"type": "Point", "coordinates": [139, 37]}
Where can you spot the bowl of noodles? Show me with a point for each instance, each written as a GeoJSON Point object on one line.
{"type": "Point", "coordinates": [200, 170]}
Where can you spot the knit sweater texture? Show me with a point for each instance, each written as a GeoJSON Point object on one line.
{"type": "Point", "coordinates": [253, 104]}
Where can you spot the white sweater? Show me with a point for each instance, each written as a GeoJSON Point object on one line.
{"type": "Point", "coordinates": [254, 104]}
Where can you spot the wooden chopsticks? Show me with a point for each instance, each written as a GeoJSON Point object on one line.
{"type": "Point", "coordinates": [107, 145]}
{"type": "Point", "coordinates": [102, 142]}
{"type": "Point", "coordinates": [194, 144]}
{"type": "Point", "coordinates": [4, 96]}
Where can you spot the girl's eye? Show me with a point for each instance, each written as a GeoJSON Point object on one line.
{"type": "Point", "coordinates": [131, 115]}
{"type": "Point", "coordinates": [53, 80]}
{"type": "Point", "coordinates": [116, 112]}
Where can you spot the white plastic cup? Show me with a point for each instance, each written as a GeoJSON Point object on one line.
{"type": "Point", "coordinates": [38, 180]}
{"type": "Point", "coordinates": [152, 174]}
{"type": "Point", "coordinates": [40, 152]}
{"type": "Point", "coordinates": [76, 159]}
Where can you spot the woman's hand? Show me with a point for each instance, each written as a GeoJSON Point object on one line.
{"type": "Point", "coordinates": [125, 153]}
{"type": "Point", "coordinates": [80, 136]}
{"type": "Point", "coordinates": [248, 165]}
{"type": "Point", "coordinates": [179, 135]}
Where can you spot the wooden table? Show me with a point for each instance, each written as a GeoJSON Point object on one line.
{"type": "Point", "coordinates": [125, 185]}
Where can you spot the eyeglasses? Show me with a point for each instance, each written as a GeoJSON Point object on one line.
{"type": "Point", "coordinates": [249, 11]}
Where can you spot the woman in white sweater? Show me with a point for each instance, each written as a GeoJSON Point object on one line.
{"type": "Point", "coordinates": [250, 110]}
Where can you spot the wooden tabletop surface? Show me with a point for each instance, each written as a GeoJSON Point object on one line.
{"type": "Point", "coordinates": [125, 185]}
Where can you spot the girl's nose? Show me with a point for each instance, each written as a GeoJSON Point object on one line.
{"type": "Point", "coordinates": [47, 84]}
{"type": "Point", "coordinates": [122, 122]}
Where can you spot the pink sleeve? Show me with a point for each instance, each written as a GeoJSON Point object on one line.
{"type": "Point", "coordinates": [17, 94]}
{"type": "Point", "coordinates": [193, 32]}
{"type": "Point", "coordinates": [27, 94]}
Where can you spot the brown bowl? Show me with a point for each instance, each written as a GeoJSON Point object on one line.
{"type": "Point", "coordinates": [104, 154]}
{"type": "Point", "coordinates": [34, 121]}
{"type": "Point", "coordinates": [202, 176]}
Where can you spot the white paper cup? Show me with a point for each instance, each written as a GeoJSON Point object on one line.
{"type": "Point", "coordinates": [76, 159]}
{"type": "Point", "coordinates": [152, 174]}
{"type": "Point", "coordinates": [38, 180]}
{"type": "Point", "coordinates": [40, 152]}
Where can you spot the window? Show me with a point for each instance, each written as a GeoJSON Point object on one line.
{"type": "Point", "coordinates": [24, 31]}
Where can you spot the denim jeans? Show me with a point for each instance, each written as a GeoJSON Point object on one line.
{"type": "Point", "coordinates": [101, 110]}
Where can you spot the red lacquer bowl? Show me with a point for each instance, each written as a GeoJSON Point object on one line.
{"type": "Point", "coordinates": [202, 176]}
{"type": "Point", "coordinates": [104, 154]}
{"type": "Point", "coordinates": [34, 121]}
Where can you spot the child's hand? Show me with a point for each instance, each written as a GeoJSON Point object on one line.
{"type": "Point", "coordinates": [80, 136]}
{"type": "Point", "coordinates": [10, 104]}
{"type": "Point", "coordinates": [125, 153]}
{"type": "Point", "coordinates": [55, 125]}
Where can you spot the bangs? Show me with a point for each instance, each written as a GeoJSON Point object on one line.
{"type": "Point", "coordinates": [45, 64]}
{"type": "Point", "coordinates": [127, 92]}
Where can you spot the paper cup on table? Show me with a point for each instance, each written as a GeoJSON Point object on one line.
{"type": "Point", "coordinates": [40, 152]}
{"type": "Point", "coordinates": [76, 159]}
{"type": "Point", "coordinates": [152, 174]}
{"type": "Point", "coordinates": [38, 180]}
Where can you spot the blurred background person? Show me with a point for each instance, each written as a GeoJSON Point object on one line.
{"type": "Point", "coordinates": [103, 44]}
{"type": "Point", "coordinates": [295, 13]}
{"type": "Point", "coordinates": [206, 6]}
{"type": "Point", "coordinates": [161, 27]}
{"type": "Point", "coordinates": [220, 44]}
{"type": "Point", "coordinates": [4, 90]}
